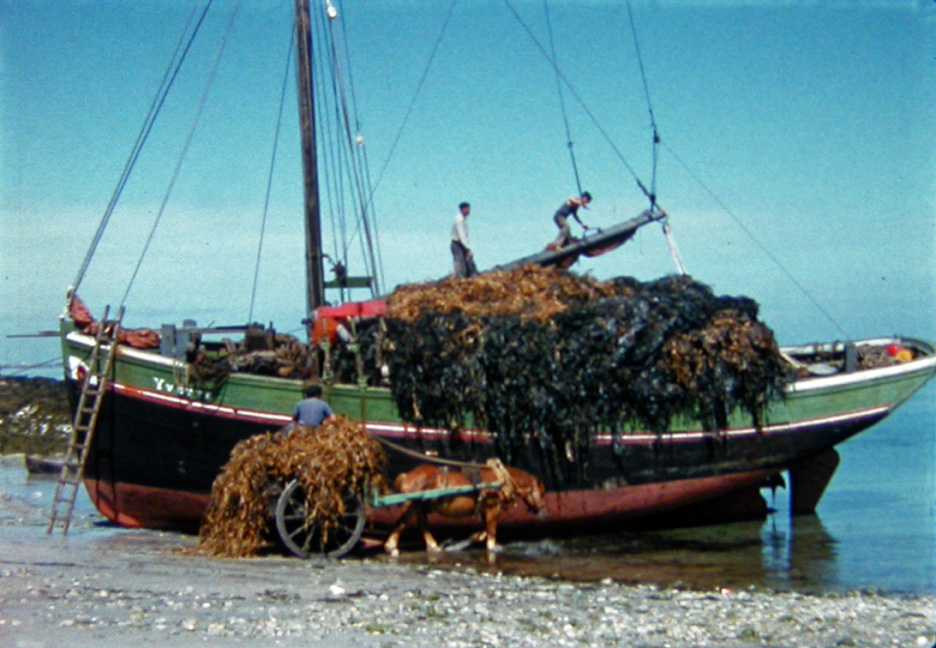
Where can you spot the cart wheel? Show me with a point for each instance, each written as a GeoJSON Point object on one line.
{"type": "Point", "coordinates": [305, 539]}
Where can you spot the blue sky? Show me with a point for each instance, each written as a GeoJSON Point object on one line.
{"type": "Point", "coordinates": [810, 121]}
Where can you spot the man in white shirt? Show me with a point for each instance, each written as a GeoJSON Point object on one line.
{"type": "Point", "coordinates": [461, 252]}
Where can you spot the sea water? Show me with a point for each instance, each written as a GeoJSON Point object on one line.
{"type": "Point", "coordinates": [880, 509]}
{"type": "Point", "coordinates": [875, 528]}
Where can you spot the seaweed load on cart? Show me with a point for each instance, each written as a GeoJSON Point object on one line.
{"type": "Point", "coordinates": [327, 462]}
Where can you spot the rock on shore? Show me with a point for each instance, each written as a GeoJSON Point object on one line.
{"type": "Point", "coordinates": [34, 416]}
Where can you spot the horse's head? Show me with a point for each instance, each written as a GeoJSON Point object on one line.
{"type": "Point", "coordinates": [530, 489]}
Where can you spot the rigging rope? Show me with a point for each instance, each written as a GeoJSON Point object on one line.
{"type": "Point", "coordinates": [351, 148]}
{"type": "Point", "coordinates": [269, 187]}
{"type": "Point", "coordinates": [565, 116]}
{"type": "Point", "coordinates": [419, 85]}
{"type": "Point", "coordinates": [345, 154]}
{"type": "Point", "coordinates": [646, 87]}
{"type": "Point", "coordinates": [763, 247]}
{"type": "Point", "coordinates": [188, 141]}
{"type": "Point", "coordinates": [330, 159]}
{"type": "Point", "coordinates": [581, 102]}
{"type": "Point", "coordinates": [169, 77]}
{"type": "Point", "coordinates": [674, 250]}
{"type": "Point", "coordinates": [370, 206]}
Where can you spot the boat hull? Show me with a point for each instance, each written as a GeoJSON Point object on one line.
{"type": "Point", "coordinates": [160, 443]}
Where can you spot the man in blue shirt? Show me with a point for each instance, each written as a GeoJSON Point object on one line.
{"type": "Point", "coordinates": [312, 410]}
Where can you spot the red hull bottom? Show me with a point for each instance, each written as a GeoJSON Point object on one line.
{"type": "Point", "coordinates": [711, 498]}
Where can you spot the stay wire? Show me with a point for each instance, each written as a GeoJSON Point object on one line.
{"type": "Point", "coordinates": [342, 157]}
{"type": "Point", "coordinates": [53, 362]}
{"type": "Point", "coordinates": [341, 160]}
{"type": "Point", "coordinates": [419, 85]}
{"type": "Point", "coordinates": [172, 71]}
{"type": "Point", "coordinates": [646, 87]}
{"type": "Point", "coordinates": [339, 155]}
{"type": "Point", "coordinates": [269, 187]}
{"type": "Point", "coordinates": [764, 248]}
{"type": "Point", "coordinates": [565, 116]}
{"type": "Point", "coordinates": [581, 102]}
{"type": "Point", "coordinates": [356, 174]}
{"type": "Point", "coordinates": [364, 162]}
{"type": "Point", "coordinates": [331, 166]}
{"type": "Point", "coordinates": [188, 141]}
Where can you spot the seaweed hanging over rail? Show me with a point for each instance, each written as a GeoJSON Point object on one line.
{"type": "Point", "coordinates": [546, 358]}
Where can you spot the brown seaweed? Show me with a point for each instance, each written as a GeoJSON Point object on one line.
{"type": "Point", "coordinates": [545, 359]}
{"type": "Point", "coordinates": [329, 461]}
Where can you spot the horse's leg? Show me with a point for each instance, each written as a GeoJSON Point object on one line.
{"type": "Point", "coordinates": [431, 544]}
{"type": "Point", "coordinates": [492, 511]}
{"type": "Point", "coordinates": [478, 537]}
{"type": "Point", "coordinates": [392, 543]}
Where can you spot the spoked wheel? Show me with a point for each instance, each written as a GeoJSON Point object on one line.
{"type": "Point", "coordinates": [304, 538]}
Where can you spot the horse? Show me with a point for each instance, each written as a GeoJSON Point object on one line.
{"type": "Point", "coordinates": [486, 503]}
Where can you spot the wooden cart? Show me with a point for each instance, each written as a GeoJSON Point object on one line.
{"type": "Point", "coordinates": [304, 538]}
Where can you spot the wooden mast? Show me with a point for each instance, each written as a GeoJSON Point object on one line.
{"type": "Point", "coordinates": [315, 284]}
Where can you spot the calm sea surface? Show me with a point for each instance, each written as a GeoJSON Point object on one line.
{"type": "Point", "coordinates": [875, 528]}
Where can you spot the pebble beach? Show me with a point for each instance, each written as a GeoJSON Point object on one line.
{"type": "Point", "coordinates": [102, 585]}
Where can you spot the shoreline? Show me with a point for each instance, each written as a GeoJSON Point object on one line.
{"type": "Point", "coordinates": [104, 584]}
{"type": "Point", "coordinates": [136, 589]}
{"type": "Point", "coordinates": [107, 585]}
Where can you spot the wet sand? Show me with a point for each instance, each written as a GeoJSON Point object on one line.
{"type": "Point", "coordinates": [102, 585]}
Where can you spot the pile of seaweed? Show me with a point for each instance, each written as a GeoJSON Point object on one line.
{"type": "Point", "coordinates": [337, 457]}
{"type": "Point", "coordinates": [263, 352]}
{"type": "Point", "coordinates": [547, 358]}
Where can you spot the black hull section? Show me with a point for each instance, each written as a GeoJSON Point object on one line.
{"type": "Point", "coordinates": [166, 458]}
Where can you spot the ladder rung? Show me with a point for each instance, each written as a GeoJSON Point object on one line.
{"type": "Point", "coordinates": [89, 405]}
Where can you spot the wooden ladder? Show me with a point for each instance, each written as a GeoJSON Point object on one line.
{"type": "Point", "coordinates": [93, 387]}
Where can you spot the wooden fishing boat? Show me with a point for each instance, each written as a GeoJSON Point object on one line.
{"type": "Point", "coordinates": [163, 431]}
{"type": "Point", "coordinates": [42, 466]}
{"type": "Point", "coordinates": [160, 441]}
